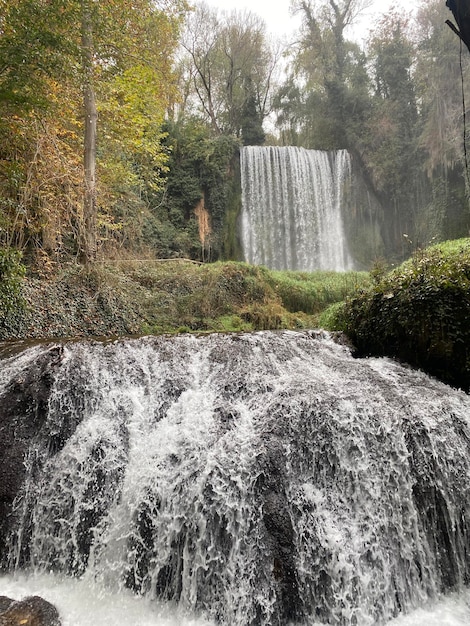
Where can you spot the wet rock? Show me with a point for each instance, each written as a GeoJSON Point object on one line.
{"type": "Point", "coordinates": [5, 603]}
{"type": "Point", "coordinates": [31, 611]}
{"type": "Point", "coordinates": [23, 411]}
{"type": "Point", "coordinates": [280, 533]}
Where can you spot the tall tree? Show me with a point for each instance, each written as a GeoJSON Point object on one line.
{"type": "Point", "coordinates": [89, 234]}
{"type": "Point", "coordinates": [439, 82]}
{"type": "Point", "coordinates": [327, 91]}
{"type": "Point", "coordinates": [392, 154]}
{"type": "Point", "coordinates": [439, 85]}
{"type": "Point", "coordinates": [232, 68]}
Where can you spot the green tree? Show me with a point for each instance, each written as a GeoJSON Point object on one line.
{"type": "Point", "coordinates": [439, 90]}
{"type": "Point", "coordinates": [190, 216]}
{"type": "Point", "coordinates": [325, 99]}
{"type": "Point", "coordinates": [392, 153]}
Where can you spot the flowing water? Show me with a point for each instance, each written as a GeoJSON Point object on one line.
{"type": "Point", "coordinates": [292, 208]}
{"type": "Point", "coordinates": [262, 479]}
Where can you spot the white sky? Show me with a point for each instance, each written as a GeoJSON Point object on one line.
{"type": "Point", "coordinates": [280, 22]}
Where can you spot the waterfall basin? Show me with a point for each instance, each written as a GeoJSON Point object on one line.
{"type": "Point", "coordinates": [82, 604]}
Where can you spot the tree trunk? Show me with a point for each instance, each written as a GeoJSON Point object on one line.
{"type": "Point", "coordinates": [88, 226]}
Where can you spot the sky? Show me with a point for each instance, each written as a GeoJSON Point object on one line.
{"type": "Point", "coordinates": [280, 22]}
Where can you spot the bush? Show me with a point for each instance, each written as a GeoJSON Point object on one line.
{"type": "Point", "coordinates": [419, 313]}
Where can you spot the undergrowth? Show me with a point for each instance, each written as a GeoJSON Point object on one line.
{"type": "Point", "coordinates": [153, 297]}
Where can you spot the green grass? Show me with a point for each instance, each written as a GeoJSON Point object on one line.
{"type": "Point", "coordinates": [313, 292]}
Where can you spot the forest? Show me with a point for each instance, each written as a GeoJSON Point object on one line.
{"type": "Point", "coordinates": [120, 122]}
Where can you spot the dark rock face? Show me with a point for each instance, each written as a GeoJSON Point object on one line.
{"type": "Point", "coordinates": [31, 611]}
{"type": "Point", "coordinates": [23, 411]}
{"type": "Point", "coordinates": [279, 530]}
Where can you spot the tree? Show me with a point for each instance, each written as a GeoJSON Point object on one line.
{"type": "Point", "coordinates": [439, 91]}
{"type": "Point", "coordinates": [128, 54]}
{"type": "Point", "coordinates": [392, 153]}
{"type": "Point", "coordinates": [88, 232]}
{"type": "Point", "coordinates": [326, 96]}
{"type": "Point", "coordinates": [232, 69]}
{"type": "Point", "coordinates": [438, 83]}
{"type": "Point", "coordinates": [112, 59]}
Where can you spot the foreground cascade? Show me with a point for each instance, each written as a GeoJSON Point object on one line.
{"type": "Point", "coordinates": [292, 203]}
{"type": "Point", "coordinates": [262, 479]}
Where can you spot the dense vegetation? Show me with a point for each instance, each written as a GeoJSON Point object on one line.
{"type": "Point", "coordinates": [12, 303]}
{"type": "Point", "coordinates": [131, 297]}
{"type": "Point", "coordinates": [418, 312]}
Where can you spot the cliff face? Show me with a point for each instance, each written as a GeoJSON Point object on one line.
{"type": "Point", "coordinates": [363, 218]}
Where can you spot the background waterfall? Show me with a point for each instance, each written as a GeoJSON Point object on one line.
{"type": "Point", "coordinates": [261, 479]}
{"type": "Point", "coordinates": [291, 208]}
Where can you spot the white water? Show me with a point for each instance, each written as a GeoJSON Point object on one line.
{"type": "Point", "coordinates": [165, 459]}
{"type": "Point", "coordinates": [292, 208]}
{"type": "Point", "coordinates": [83, 604]}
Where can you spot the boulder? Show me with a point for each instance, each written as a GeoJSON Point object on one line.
{"type": "Point", "coordinates": [5, 603]}
{"type": "Point", "coordinates": [31, 611]}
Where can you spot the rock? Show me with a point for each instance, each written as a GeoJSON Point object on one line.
{"type": "Point", "coordinates": [23, 412]}
{"type": "Point", "coordinates": [5, 603]}
{"type": "Point", "coordinates": [31, 611]}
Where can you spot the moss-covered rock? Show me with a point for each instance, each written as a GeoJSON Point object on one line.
{"type": "Point", "coordinates": [419, 313]}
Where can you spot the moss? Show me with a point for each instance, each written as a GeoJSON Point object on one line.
{"type": "Point", "coordinates": [419, 313]}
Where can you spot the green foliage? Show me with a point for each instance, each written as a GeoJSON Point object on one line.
{"type": "Point", "coordinates": [12, 303]}
{"type": "Point", "coordinates": [43, 78]}
{"type": "Point", "coordinates": [334, 318]}
{"type": "Point", "coordinates": [419, 312]}
{"type": "Point", "coordinates": [326, 99]}
{"type": "Point", "coordinates": [34, 45]}
{"type": "Point", "coordinates": [396, 106]}
{"type": "Point", "coordinates": [251, 121]}
{"type": "Point", "coordinates": [200, 170]}
{"type": "Point", "coordinates": [130, 297]}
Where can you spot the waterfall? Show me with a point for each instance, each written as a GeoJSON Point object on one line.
{"type": "Point", "coordinates": [256, 479]}
{"type": "Point", "coordinates": [291, 208]}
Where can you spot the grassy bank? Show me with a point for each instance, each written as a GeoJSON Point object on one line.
{"type": "Point", "coordinates": [131, 297]}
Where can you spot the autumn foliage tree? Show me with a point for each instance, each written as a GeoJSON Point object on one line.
{"type": "Point", "coordinates": [84, 87]}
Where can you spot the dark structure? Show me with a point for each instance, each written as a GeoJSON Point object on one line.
{"type": "Point", "coordinates": [461, 12]}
